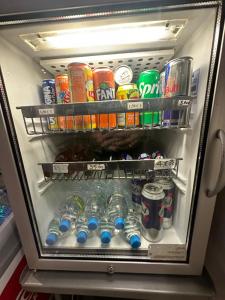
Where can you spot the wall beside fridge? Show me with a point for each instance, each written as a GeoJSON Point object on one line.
{"type": "Point", "coordinates": [23, 73]}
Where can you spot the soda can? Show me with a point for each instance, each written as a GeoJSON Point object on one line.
{"type": "Point", "coordinates": [148, 84]}
{"type": "Point", "coordinates": [123, 75]}
{"type": "Point", "coordinates": [178, 74]}
{"type": "Point", "coordinates": [168, 202]}
{"type": "Point", "coordinates": [62, 89]}
{"type": "Point", "coordinates": [136, 187]}
{"type": "Point", "coordinates": [152, 211]}
{"type": "Point", "coordinates": [162, 85]}
{"type": "Point", "coordinates": [49, 93]}
{"type": "Point", "coordinates": [127, 92]}
{"type": "Point", "coordinates": [104, 87]}
{"type": "Point", "coordinates": [63, 97]}
{"type": "Point", "coordinates": [82, 90]}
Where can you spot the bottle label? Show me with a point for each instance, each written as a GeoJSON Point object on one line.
{"type": "Point", "coordinates": [105, 92]}
{"type": "Point", "coordinates": [149, 90]}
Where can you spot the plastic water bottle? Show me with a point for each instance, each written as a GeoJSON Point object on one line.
{"type": "Point", "coordinates": [132, 229]}
{"type": "Point", "coordinates": [5, 209]}
{"type": "Point", "coordinates": [106, 230]}
{"type": "Point", "coordinates": [70, 211]}
{"type": "Point", "coordinates": [93, 212]}
{"type": "Point", "coordinates": [82, 230]}
{"type": "Point", "coordinates": [53, 232]}
{"type": "Point", "coordinates": [117, 208]}
{"type": "Point", "coordinates": [95, 204]}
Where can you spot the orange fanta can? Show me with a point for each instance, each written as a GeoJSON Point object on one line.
{"type": "Point", "coordinates": [104, 86]}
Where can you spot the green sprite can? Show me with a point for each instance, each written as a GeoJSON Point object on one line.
{"type": "Point", "coordinates": [148, 84]}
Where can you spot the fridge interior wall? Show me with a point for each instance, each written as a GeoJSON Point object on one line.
{"type": "Point", "coordinates": [22, 77]}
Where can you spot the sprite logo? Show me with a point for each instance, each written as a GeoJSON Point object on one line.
{"type": "Point", "coordinates": [105, 92]}
{"type": "Point", "coordinates": [149, 90]}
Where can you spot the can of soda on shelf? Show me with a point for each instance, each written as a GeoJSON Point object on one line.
{"type": "Point", "coordinates": [168, 202]}
{"type": "Point", "coordinates": [104, 88]}
{"type": "Point", "coordinates": [162, 84]}
{"type": "Point", "coordinates": [49, 93]}
{"type": "Point", "coordinates": [62, 89]}
{"type": "Point", "coordinates": [152, 212]}
{"type": "Point", "coordinates": [48, 89]}
{"type": "Point", "coordinates": [137, 185]}
{"type": "Point", "coordinates": [178, 74]}
{"type": "Point", "coordinates": [148, 84]}
{"type": "Point", "coordinates": [127, 92]}
{"type": "Point", "coordinates": [82, 90]}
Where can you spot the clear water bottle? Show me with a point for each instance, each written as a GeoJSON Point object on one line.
{"type": "Point", "coordinates": [106, 230]}
{"type": "Point", "coordinates": [132, 229]}
{"type": "Point", "coordinates": [95, 204]}
{"type": "Point", "coordinates": [82, 231]}
{"type": "Point", "coordinates": [53, 232]}
{"type": "Point", "coordinates": [69, 212]}
{"type": "Point", "coordinates": [117, 208]}
{"type": "Point", "coordinates": [5, 209]}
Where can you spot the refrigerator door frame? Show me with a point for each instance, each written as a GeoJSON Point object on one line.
{"type": "Point", "coordinates": [19, 193]}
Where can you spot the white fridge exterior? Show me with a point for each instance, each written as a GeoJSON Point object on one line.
{"type": "Point", "coordinates": [35, 149]}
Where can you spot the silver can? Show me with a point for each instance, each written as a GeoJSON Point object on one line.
{"type": "Point", "coordinates": [162, 84]}
{"type": "Point", "coordinates": [168, 202]}
{"type": "Point", "coordinates": [178, 74]}
{"type": "Point", "coordinates": [152, 212]}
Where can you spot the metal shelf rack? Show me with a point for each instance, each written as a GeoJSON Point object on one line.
{"type": "Point", "coordinates": [45, 119]}
{"type": "Point", "coordinates": [113, 169]}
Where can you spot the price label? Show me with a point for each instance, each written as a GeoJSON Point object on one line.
{"type": "Point", "coordinates": [184, 102]}
{"type": "Point", "coordinates": [163, 164]}
{"type": "Point", "coordinates": [167, 252]}
{"type": "Point", "coordinates": [60, 168]}
{"type": "Point", "coordinates": [96, 167]}
{"type": "Point", "coordinates": [134, 105]}
{"type": "Point", "coordinates": [46, 111]}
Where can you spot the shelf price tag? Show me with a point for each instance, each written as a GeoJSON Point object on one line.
{"type": "Point", "coordinates": [46, 111]}
{"type": "Point", "coordinates": [163, 164]}
{"type": "Point", "coordinates": [183, 102]}
{"type": "Point", "coordinates": [134, 105]}
{"type": "Point", "coordinates": [96, 167]}
{"type": "Point", "coordinates": [60, 168]}
{"type": "Point", "coordinates": [167, 252]}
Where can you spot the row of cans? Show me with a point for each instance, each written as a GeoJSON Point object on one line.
{"type": "Point", "coordinates": [155, 202]}
{"type": "Point", "coordinates": [81, 84]}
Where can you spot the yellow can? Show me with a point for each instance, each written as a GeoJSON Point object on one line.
{"type": "Point", "coordinates": [128, 92]}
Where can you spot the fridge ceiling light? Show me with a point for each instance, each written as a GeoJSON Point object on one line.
{"type": "Point", "coordinates": [117, 34]}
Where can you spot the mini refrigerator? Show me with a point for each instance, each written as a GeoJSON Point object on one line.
{"type": "Point", "coordinates": [111, 139]}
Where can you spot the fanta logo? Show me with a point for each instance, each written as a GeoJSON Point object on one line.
{"type": "Point", "coordinates": [105, 92]}
{"type": "Point", "coordinates": [148, 89]}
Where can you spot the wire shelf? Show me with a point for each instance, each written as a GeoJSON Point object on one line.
{"type": "Point", "coordinates": [116, 169]}
{"type": "Point", "coordinates": [107, 115]}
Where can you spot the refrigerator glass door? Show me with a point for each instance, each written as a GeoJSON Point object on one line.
{"type": "Point", "coordinates": [111, 171]}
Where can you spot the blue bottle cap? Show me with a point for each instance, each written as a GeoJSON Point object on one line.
{"type": "Point", "coordinates": [135, 241]}
{"type": "Point", "coordinates": [92, 223]}
{"type": "Point", "coordinates": [52, 238]}
{"type": "Point", "coordinates": [119, 223]}
{"type": "Point", "coordinates": [82, 237]}
{"type": "Point", "coordinates": [64, 225]}
{"type": "Point", "coordinates": [106, 237]}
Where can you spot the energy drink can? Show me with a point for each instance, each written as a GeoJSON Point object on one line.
{"type": "Point", "coordinates": [152, 211]}
{"type": "Point", "coordinates": [168, 188]}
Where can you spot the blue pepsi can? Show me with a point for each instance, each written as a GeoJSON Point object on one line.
{"type": "Point", "coordinates": [49, 92]}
